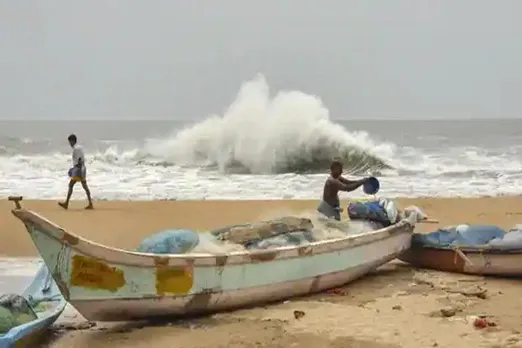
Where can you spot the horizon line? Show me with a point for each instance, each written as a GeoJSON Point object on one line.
{"type": "Point", "coordinates": [201, 119]}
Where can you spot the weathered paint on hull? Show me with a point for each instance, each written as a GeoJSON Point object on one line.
{"type": "Point", "coordinates": [128, 309]}
{"type": "Point", "coordinates": [108, 284]}
{"type": "Point", "coordinates": [474, 261]}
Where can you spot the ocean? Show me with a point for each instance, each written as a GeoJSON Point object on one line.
{"type": "Point", "coordinates": [262, 146]}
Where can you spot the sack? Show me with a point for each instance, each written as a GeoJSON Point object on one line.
{"type": "Point", "coordinates": [419, 214]}
{"type": "Point", "coordinates": [371, 211]}
{"type": "Point", "coordinates": [391, 210]}
{"type": "Point", "coordinates": [169, 242]}
{"type": "Point", "coordinates": [14, 311]}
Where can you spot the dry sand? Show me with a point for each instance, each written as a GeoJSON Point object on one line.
{"type": "Point", "coordinates": [396, 306]}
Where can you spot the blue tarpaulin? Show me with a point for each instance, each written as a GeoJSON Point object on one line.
{"type": "Point", "coordinates": [471, 236]}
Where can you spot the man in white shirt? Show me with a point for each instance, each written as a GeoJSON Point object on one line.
{"type": "Point", "coordinates": [78, 173]}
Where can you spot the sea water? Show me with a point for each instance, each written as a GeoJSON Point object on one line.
{"type": "Point", "coordinates": [265, 145]}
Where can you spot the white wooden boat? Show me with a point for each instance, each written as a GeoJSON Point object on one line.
{"type": "Point", "coordinates": [109, 284]}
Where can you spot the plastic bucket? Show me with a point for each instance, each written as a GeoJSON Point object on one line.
{"type": "Point", "coordinates": [371, 186]}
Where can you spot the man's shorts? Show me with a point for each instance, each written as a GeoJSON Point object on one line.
{"type": "Point", "coordinates": [78, 174]}
{"type": "Point", "coordinates": [329, 211]}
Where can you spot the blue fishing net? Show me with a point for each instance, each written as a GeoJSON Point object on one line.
{"type": "Point", "coordinates": [170, 242]}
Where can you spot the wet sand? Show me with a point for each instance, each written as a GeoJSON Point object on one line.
{"type": "Point", "coordinates": [396, 306]}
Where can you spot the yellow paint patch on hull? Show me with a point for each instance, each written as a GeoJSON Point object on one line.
{"type": "Point", "coordinates": [174, 280]}
{"type": "Point", "coordinates": [91, 273]}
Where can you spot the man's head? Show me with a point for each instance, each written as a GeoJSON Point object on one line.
{"type": "Point", "coordinates": [336, 168]}
{"type": "Point", "coordinates": [72, 140]}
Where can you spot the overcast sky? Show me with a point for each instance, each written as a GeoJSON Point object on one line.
{"type": "Point", "coordinates": [170, 59]}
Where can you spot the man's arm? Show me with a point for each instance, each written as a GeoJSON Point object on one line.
{"type": "Point", "coordinates": [349, 185]}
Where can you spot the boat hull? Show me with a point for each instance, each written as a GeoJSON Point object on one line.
{"type": "Point", "coordinates": [107, 284]}
{"type": "Point", "coordinates": [129, 309]}
{"type": "Point", "coordinates": [468, 261]}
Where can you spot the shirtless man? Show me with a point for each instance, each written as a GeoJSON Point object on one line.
{"type": "Point", "coordinates": [78, 173]}
{"type": "Point", "coordinates": [330, 205]}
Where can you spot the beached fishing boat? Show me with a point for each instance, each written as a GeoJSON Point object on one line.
{"type": "Point", "coordinates": [484, 250]}
{"type": "Point", "coordinates": [487, 261]}
{"type": "Point", "coordinates": [109, 284]}
{"type": "Point", "coordinates": [46, 302]}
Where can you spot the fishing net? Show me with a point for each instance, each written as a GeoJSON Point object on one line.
{"type": "Point", "coordinates": [248, 233]}
{"type": "Point", "coordinates": [14, 310]}
{"type": "Point", "coordinates": [169, 242]}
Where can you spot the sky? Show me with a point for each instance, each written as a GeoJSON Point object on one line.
{"type": "Point", "coordinates": [165, 59]}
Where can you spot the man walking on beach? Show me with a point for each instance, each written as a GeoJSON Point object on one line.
{"type": "Point", "coordinates": [330, 205]}
{"type": "Point", "coordinates": [78, 173]}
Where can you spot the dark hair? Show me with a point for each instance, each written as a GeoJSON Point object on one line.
{"type": "Point", "coordinates": [336, 163]}
{"type": "Point", "coordinates": [72, 138]}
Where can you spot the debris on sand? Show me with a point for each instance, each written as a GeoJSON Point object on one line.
{"type": "Point", "coordinates": [299, 314]}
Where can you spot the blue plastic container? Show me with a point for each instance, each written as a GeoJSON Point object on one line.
{"type": "Point", "coordinates": [371, 186]}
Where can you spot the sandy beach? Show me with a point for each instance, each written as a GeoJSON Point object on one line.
{"type": "Point", "coordinates": [396, 306]}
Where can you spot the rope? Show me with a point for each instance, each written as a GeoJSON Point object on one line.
{"type": "Point", "coordinates": [462, 256]}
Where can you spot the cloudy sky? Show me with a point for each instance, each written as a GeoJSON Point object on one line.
{"type": "Point", "coordinates": [166, 59]}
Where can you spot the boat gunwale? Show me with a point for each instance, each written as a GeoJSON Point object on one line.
{"type": "Point", "coordinates": [119, 256]}
{"type": "Point", "coordinates": [467, 249]}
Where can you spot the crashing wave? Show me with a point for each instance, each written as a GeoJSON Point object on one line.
{"type": "Point", "coordinates": [290, 132]}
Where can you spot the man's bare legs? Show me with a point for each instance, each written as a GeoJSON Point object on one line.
{"type": "Point", "coordinates": [88, 193]}
{"type": "Point", "coordinates": [65, 205]}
